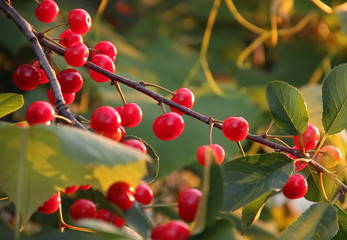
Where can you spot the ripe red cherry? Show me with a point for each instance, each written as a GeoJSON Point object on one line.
{"type": "Point", "coordinates": [296, 187]}
{"type": "Point", "coordinates": [118, 136]}
{"type": "Point", "coordinates": [185, 97]}
{"type": "Point", "coordinates": [68, 97]}
{"type": "Point", "coordinates": [85, 187]}
{"type": "Point", "coordinates": [299, 165]}
{"type": "Point", "coordinates": [104, 215]}
{"type": "Point", "coordinates": [68, 37]}
{"type": "Point", "coordinates": [235, 128]}
{"type": "Point", "coordinates": [330, 157]}
{"type": "Point", "coordinates": [104, 62]}
{"type": "Point", "coordinates": [70, 80]}
{"type": "Point", "coordinates": [51, 205]}
{"type": "Point", "coordinates": [80, 21]}
{"type": "Point", "coordinates": [26, 77]}
{"type": "Point", "coordinates": [121, 194]}
{"type": "Point", "coordinates": [117, 221]}
{"type": "Point", "coordinates": [43, 78]}
{"type": "Point", "coordinates": [136, 144]}
{"type": "Point", "coordinates": [217, 150]}
{"type": "Point", "coordinates": [106, 120]}
{"type": "Point", "coordinates": [39, 112]}
{"type": "Point", "coordinates": [107, 48]}
{"type": "Point", "coordinates": [131, 114]}
{"type": "Point", "coordinates": [175, 230]}
{"type": "Point", "coordinates": [143, 194]}
{"type": "Point", "coordinates": [76, 54]}
{"type": "Point", "coordinates": [168, 126]}
{"type": "Point", "coordinates": [82, 208]}
{"type": "Point", "coordinates": [310, 138]}
{"type": "Point", "coordinates": [188, 203]}
{"type": "Point", "coordinates": [47, 11]}
{"type": "Point", "coordinates": [156, 232]}
{"type": "Point", "coordinates": [70, 189]}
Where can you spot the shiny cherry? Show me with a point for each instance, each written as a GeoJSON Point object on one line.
{"type": "Point", "coordinates": [82, 208]}
{"type": "Point", "coordinates": [51, 205]}
{"type": "Point", "coordinates": [47, 11]}
{"type": "Point", "coordinates": [106, 120]}
{"type": "Point", "coordinates": [26, 77]}
{"type": "Point", "coordinates": [296, 187]}
{"type": "Point", "coordinates": [188, 203]}
{"type": "Point", "coordinates": [131, 114]}
{"type": "Point", "coordinates": [310, 138]}
{"type": "Point", "coordinates": [184, 97]}
{"type": "Point", "coordinates": [168, 126]}
{"type": "Point", "coordinates": [121, 194]}
{"type": "Point", "coordinates": [218, 151]}
{"type": "Point", "coordinates": [80, 21]}
{"type": "Point", "coordinates": [235, 128]}
{"type": "Point", "coordinates": [104, 62]}
{"type": "Point", "coordinates": [107, 48]}
{"type": "Point", "coordinates": [39, 112]}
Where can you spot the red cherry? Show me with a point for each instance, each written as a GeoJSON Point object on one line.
{"type": "Point", "coordinates": [217, 150]}
{"type": "Point", "coordinates": [131, 114]}
{"type": "Point", "coordinates": [175, 230]}
{"type": "Point", "coordinates": [47, 11]}
{"type": "Point", "coordinates": [143, 194]}
{"type": "Point", "coordinates": [297, 163]}
{"type": "Point", "coordinates": [82, 208]}
{"type": "Point", "coordinates": [76, 54]}
{"type": "Point", "coordinates": [188, 203]}
{"type": "Point", "coordinates": [26, 77]}
{"type": "Point", "coordinates": [185, 97]}
{"type": "Point", "coordinates": [104, 62]}
{"type": "Point", "coordinates": [51, 205]}
{"type": "Point", "coordinates": [107, 48]}
{"type": "Point", "coordinates": [118, 136]}
{"type": "Point", "coordinates": [43, 78]}
{"type": "Point", "coordinates": [70, 189]}
{"type": "Point", "coordinates": [68, 97]}
{"type": "Point", "coordinates": [68, 37]}
{"type": "Point", "coordinates": [80, 21]}
{"type": "Point", "coordinates": [70, 80]}
{"type": "Point", "coordinates": [156, 232]}
{"type": "Point", "coordinates": [39, 112]}
{"type": "Point", "coordinates": [296, 187]}
{"type": "Point", "coordinates": [136, 144]}
{"type": "Point", "coordinates": [121, 194]}
{"type": "Point", "coordinates": [104, 215]}
{"type": "Point", "coordinates": [235, 128]}
{"type": "Point", "coordinates": [310, 138]}
{"type": "Point", "coordinates": [85, 187]}
{"type": "Point", "coordinates": [117, 221]}
{"type": "Point", "coordinates": [168, 126]}
{"type": "Point", "coordinates": [105, 120]}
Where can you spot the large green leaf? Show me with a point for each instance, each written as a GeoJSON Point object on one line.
{"type": "Point", "coordinates": [37, 161]}
{"type": "Point", "coordinates": [334, 96]}
{"type": "Point", "coordinates": [314, 192]}
{"type": "Point", "coordinates": [251, 211]}
{"type": "Point", "coordinates": [10, 102]}
{"type": "Point", "coordinates": [223, 229]}
{"type": "Point", "coordinates": [287, 107]}
{"type": "Point", "coordinates": [247, 178]}
{"type": "Point", "coordinates": [317, 222]}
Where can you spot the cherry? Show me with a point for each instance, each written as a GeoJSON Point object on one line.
{"type": "Point", "coordinates": [85, 187]}
{"type": "Point", "coordinates": [106, 120]}
{"type": "Point", "coordinates": [70, 189]}
{"type": "Point", "coordinates": [47, 11]}
{"type": "Point", "coordinates": [310, 138]}
{"type": "Point", "coordinates": [143, 194]}
{"type": "Point", "coordinates": [188, 203]}
{"type": "Point", "coordinates": [118, 136]}
{"type": "Point", "coordinates": [168, 126]}
{"type": "Point", "coordinates": [107, 48]}
{"type": "Point", "coordinates": [104, 62]}
{"type": "Point", "coordinates": [235, 128]}
{"type": "Point", "coordinates": [51, 205]}
{"type": "Point", "coordinates": [136, 144]}
{"type": "Point", "coordinates": [329, 156]}
{"type": "Point", "coordinates": [296, 187]}
{"type": "Point", "coordinates": [43, 78]}
{"type": "Point", "coordinates": [39, 112]}
{"type": "Point", "coordinates": [131, 114]}
{"type": "Point", "coordinates": [156, 232]}
{"type": "Point", "coordinates": [217, 150]}
{"type": "Point", "coordinates": [76, 54]}
{"type": "Point", "coordinates": [82, 208]}
{"type": "Point", "coordinates": [175, 230]}
{"type": "Point", "coordinates": [68, 37]}
{"type": "Point", "coordinates": [299, 165]}
{"type": "Point", "coordinates": [26, 77]}
{"type": "Point", "coordinates": [104, 215]}
{"type": "Point", "coordinates": [80, 21]}
{"type": "Point", "coordinates": [184, 97]}
{"type": "Point", "coordinates": [117, 221]}
{"type": "Point", "coordinates": [70, 80]}
{"type": "Point", "coordinates": [68, 97]}
{"type": "Point", "coordinates": [121, 194]}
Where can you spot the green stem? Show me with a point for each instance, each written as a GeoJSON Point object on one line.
{"type": "Point", "coordinates": [162, 106]}
{"type": "Point", "coordinates": [268, 128]}
{"type": "Point", "coordinates": [146, 84]}
{"type": "Point", "coordinates": [279, 140]}
{"type": "Point", "coordinates": [52, 41]}
{"type": "Point", "coordinates": [54, 27]}
{"type": "Point", "coordinates": [116, 84]}
{"type": "Point", "coordinates": [159, 205]}
{"type": "Point", "coordinates": [210, 132]}
{"type": "Point", "coordinates": [241, 148]}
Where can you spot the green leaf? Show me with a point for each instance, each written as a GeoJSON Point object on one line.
{"type": "Point", "coordinates": [223, 229]}
{"type": "Point", "coordinates": [317, 222]}
{"type": "Point", "coordinates": [248, 178]}
{"type": "Point", "coordinates": [251, 211]}
{"type": "Point", "coordinates": [10, 102]}
{"type": "Point", "coordinates": [342, 219]}
{"type": "Point", "coordinates": [137, 220]}
{"type": "Point", "coordinates": [314, 192]}
{"type": "Point", "coordinates": [287, 107]}
{"type": "Point", "coordinates": [334, 96]}
{"type": "Point", "coordinates": [40, 160]}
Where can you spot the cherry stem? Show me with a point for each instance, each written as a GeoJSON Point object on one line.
{"type": "Point", "coordinates": [162, 106]}
{"type": "Point", "coordinates": [320, 177]}
{"type": "Point", "coordinates": [278, 136]}
{"type": "Point", "coordinates": [210, 131]}
{"type": "Point", "coordinates": [241, 148]}
{"type": "Point", "coordinates": [268, 128]}
{"type": "Point", "coordinates": [116, 84]}
{"type": "Point", "coordinates": [54, 27]}
{"type": "Point", "coordinates": [3, 198]}
{"type": "Point", "coordinates": [338, 194]}
{"type": "Point", "coordinates": [161, 205]}
{"type": "Point", "coordinates": [146, 84]}
{"type": "Point", "coordinates": [94, 50]}
{"type": "Point", "coordinates": [279, 140]}
{"type": "Point", "coordinates": [63, 118]}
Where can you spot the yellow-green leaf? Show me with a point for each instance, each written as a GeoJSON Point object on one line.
{"type": "Point", "coordinates": [10, 102]}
